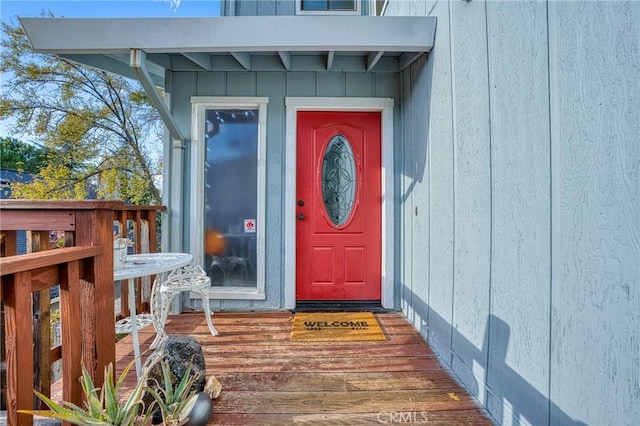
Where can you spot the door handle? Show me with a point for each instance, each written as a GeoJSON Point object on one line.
{"type": "Point", "coordinates": [300, 216]}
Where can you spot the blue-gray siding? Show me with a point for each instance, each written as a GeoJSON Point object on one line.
{"type": "Point", "coordinates": [528, 194]}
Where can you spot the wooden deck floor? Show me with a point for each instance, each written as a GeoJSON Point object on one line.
{"type": "Point", "coordinates": [269, 380]}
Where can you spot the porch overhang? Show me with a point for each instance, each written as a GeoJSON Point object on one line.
{"type": "Point", "coordinates": [247, 43]}
{"type": "Point", "coordinates": [146, 48]}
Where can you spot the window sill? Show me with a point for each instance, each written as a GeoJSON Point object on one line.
{"type": "Point", "coordinates": [233, 293]}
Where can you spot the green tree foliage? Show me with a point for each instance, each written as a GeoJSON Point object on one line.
{"type": "Point", "coordinates": [21, 157]}
{"type": "Point", "coordinates": [98, 129]}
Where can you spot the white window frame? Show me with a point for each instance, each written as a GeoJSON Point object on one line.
{"type": "Point", "coordinates": [199, 105]}
{"type": "Point", "coordinates": [299, 10]}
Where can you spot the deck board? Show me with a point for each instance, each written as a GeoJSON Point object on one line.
{"type": "Point", "coordinates": [269, 380]}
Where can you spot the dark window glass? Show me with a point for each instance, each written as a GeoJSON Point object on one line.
{"type": "Point", "coordinates": [319, 5]}
{"type": "Point", "coordinates": [231, 191]}
{"type": "Point", "coordinates": [342, 5]}
{"type": "Point", "coordinates": [315, 5]}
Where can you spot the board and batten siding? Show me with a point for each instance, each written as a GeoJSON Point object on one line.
{"type": "Point", "coordinates": [529, 287]}
{"type": "Point", "coordinates": [276, 86]}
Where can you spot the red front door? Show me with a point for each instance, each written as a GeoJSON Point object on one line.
{"type": "Point", "coordinates": [338, 241]}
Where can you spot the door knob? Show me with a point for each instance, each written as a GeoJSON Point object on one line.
{"type": "Point", "coordinates": [300, 216]}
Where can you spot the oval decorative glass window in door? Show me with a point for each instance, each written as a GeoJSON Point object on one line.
{"type": "Point", "coordinates": [339, 180]}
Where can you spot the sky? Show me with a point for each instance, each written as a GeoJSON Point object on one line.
{"type": "Point", "coordinates": [11, 9]}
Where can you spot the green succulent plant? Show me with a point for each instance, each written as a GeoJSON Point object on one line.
{"type": "Point", "coordinates": [102, 405]}
{"type": "Point", "coordinates": [175, 403]}
{"type": "Point", "coordinates": [105, 406]}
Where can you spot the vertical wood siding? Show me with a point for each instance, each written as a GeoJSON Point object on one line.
{"type": "Point", "coordinates": [472, 197]}
{"type": "Point", "coordinates": [528, 287]}
{"type": "Point", "coordinates": [520, 237]}
{"type": "Point", "coordinates": [439, 312]}
{"type": "Point", "coordinates": [406, 183]}
{"type": "Point", "coordinates": [418, 171]}
{"type": "Point", "coordinates": [595, 95]}
{"type": "Point", "coordinates": [249, 7]}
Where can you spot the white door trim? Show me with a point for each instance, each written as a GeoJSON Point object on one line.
{"type": "Point", "coordinates": [293, 105]}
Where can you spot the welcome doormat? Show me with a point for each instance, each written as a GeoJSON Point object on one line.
{"type": "Point", "coordinates": [335, 327]}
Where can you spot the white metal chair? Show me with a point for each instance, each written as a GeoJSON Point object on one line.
{"type": "Point", "coordinates": [188, 278]}
{"type": "Point", "coordinates": [125, 325]}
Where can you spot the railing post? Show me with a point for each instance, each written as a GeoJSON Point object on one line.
{"type": "Point", "coordinates": [70, 319]}
{"type": "Point", "coordinates": [7, 248]}
{"type": "Point", "coordinates": [42, 325]}
{"type": "Point", "coordinates": [95, 228]}
{"type": "Point", "coordinates": [18, 347]}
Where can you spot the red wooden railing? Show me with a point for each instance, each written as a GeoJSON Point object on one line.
{"type": "Point", "coordinates": [84, 271]}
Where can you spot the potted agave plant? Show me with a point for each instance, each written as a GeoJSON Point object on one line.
{"type": "Point", "coordinates": [178, 406]}
{"type": "Point", "coordinates": [102, 406]}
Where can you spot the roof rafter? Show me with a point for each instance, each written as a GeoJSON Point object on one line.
{"type": "Point", "coordinates": [373, 59]}
{"type": "Point", "coordinates": [285, 57]}
{"type": "Point", "coordinates": [203, 60]}
{"type": "Point", "coordinates": [330, 58]}
{"type": "Point", "coordinates": [407, 59]}
{"type": "Point", "coordinates": [243, 59]}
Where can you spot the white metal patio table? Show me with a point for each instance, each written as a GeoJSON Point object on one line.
{"type": "Point", "coordinates": [142, 265]}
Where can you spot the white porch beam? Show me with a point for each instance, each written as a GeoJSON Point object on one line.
{"type": "Point", "coordinates": [243, 59]}
{"type": "Point", "coordinates": [285, 57]}
{"type": "Point", "coordinates": [137, 62]}
{"type": "Point", "coordinates": [232, 34]}
{"type": "Point", "coordinates": [373, 59]}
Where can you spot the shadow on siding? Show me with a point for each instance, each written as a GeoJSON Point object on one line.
{"type": "Point", "coordinates": [510, 390]}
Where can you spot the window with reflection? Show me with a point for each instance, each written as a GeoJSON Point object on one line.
{"type": "Point", "coordinates": [231, 196]}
